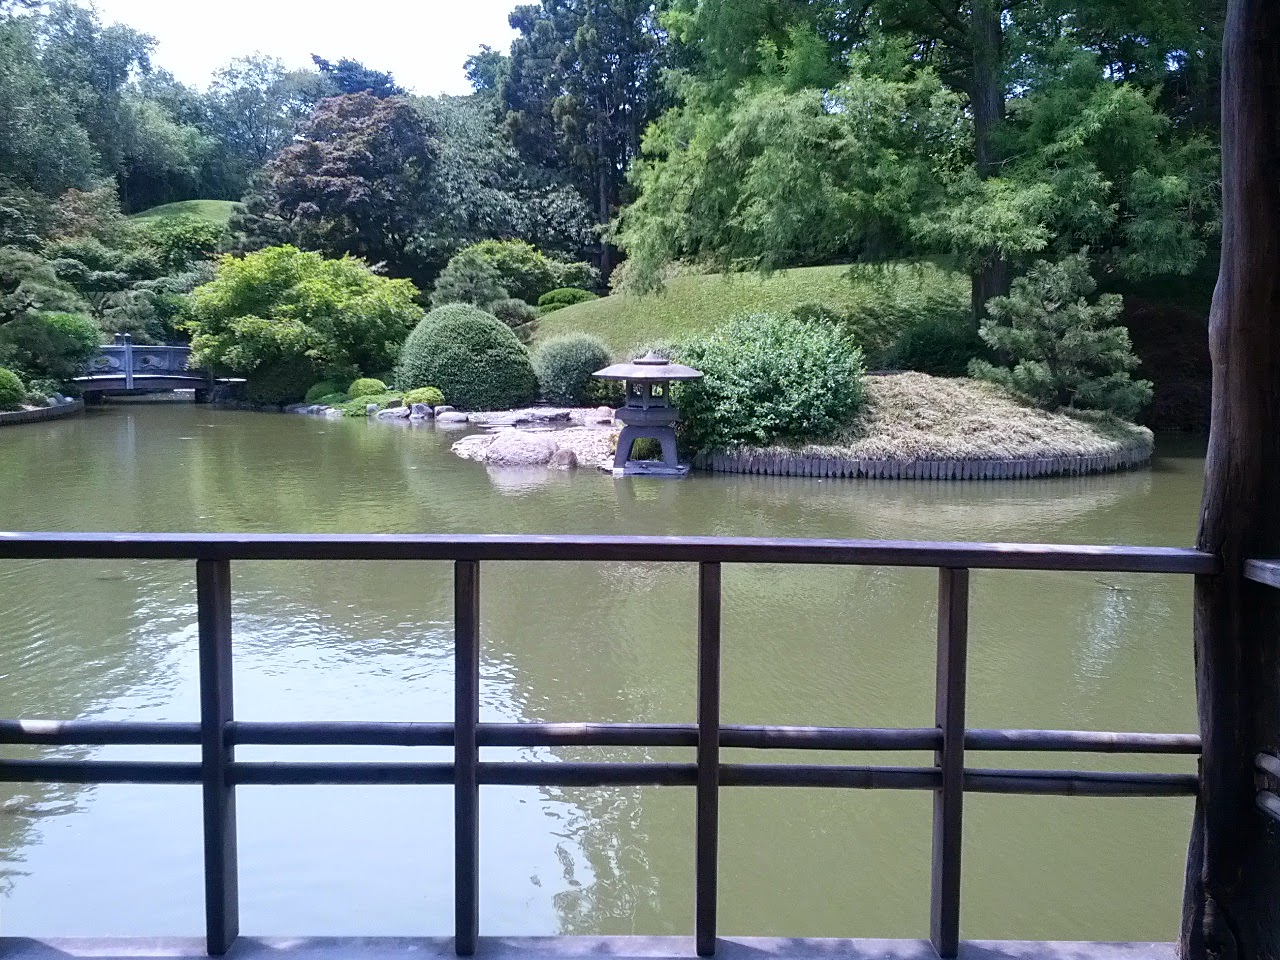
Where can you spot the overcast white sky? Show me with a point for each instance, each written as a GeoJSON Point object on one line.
{"type": "Point", "coordinates": [422, 42]}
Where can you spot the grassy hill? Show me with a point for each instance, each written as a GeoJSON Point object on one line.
{"type": "Point", "coordinates": [215, 211]}
{"type": "Point", "coordinates": [875, 296]}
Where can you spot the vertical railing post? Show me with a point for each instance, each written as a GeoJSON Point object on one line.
{"type": "Point", "coordinates": [221, 882]}
{"type": "Point", "coordinates": [466, 755]}
{"type": "Point", "coordinates": [127, 339]}
{"type": "Point", "coordinates": [948, 799]}
{"type": "Point", "coordinates": [708, 791]}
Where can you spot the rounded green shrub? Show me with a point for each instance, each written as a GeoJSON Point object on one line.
{"type": "Point", "coordinates": [471, 356]}
{"type": "Point", "coordinates": [514, 313]}
{"type": "Point", "coordinates": [769, 378]}
{"type": "Point", "coordinates": [428, 395]}
{"type": "Point", "coordinates": [366, 387]}
{"type": "Point", "coordinates": [563, 297]}
{"type": "Point", "coordinates": [325, 388]}
{"type": "Point", "coordinates": [12, 392]}
{"type": "Point", "coordinates": [50, 346]}
{"type": "Point", "coordinates": [565, 365]}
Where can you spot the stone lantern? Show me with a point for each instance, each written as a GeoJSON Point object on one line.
{"type": "Point", "coordinates": [648, 413]}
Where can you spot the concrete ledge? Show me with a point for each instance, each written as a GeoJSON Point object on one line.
{"type": "Point", "coordinates": [556, 948]}
{"type": "Point", "coordinates": [42, 413]}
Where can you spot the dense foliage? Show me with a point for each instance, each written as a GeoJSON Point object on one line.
{"type": "Point", "coordinates": [500, 269]}
{"type": "Point", "coordinates": [281, 310]}
{"type": "Point", "coordinates": [769, 378]}
{"type": "Point", "coordinates": [565, 366]}
{"type": "Point", "coordinates": [49, 346]}
{"type": "Point", "coordinates": [471, 356]}
{"type": "Point", "coordinates": [12, 392]}
{"type": "Point", "coordinates": [562, 297]}
{"type": "Point", "coordinates": [1057, 348]}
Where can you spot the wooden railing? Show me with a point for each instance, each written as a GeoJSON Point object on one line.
{"type": "Point", "coordinates": [946, 775]}
{"type": "Point", "coordinates": [1267, 573]}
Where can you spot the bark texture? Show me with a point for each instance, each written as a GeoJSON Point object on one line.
{"type": "Point", "coordinates": [1231, 906]}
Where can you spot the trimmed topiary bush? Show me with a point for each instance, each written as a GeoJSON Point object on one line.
{"type": "Point", "coordinates": [514, 313]}
{"type": "Point", "coordinates": [359, 406]}
{"type": "Point", "coordinates": [769, 378]}
{"type": "Point", "coordinates": [428, 395]}
{"type": "Point", "coordinates": [49, 346]}
{"type": "Point", "coordinates": [366, 387]}
{"type": "Point", "coordinates": [471, 356]}
{"type": "Point", "coordinates": [563, 297]}
{"type": "Point", "coordinates": [12, 392]}
{"type": "Point", "coordinates": [565, 365]}
{"type": "Point", "coordinates": [325, 388]}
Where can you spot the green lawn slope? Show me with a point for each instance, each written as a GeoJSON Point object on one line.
{"type": "Point", "coordinates": [217, 212]}
{"type": "Point", "coordinates": [693, 303]}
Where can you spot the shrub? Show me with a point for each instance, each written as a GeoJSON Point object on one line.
{"type": "Point", "coordinates": [514, 313]}
{"type": "Point", "coordinates": [50, 346]}
{"type": "Point", "coordinates": [769, 378]}
{"type": "Point", "coordinates": [325, 388]}
{"type": "Point", "coordinates": [359, 406]}
{"type": "Point", "coordinates": [943, 348]}
{"type": "Point", "coordinates": [519, 268]}
{"type": "Point", "coordinates": [471, 356]}
{"type": "Point", "coordinates": [337, 316]}
{"type": "Point", "coordinates": [428, 395]}
{"type": "Point", "coordinates": [178, 242]}
{"type": "Point", "coordinates": [275, 384]}
{"type": "Point", "coordinates": [469, 281]}
{"type": "Point", "coordinates": [12, 392]}
{"type": "Point", "coordinates": [563, 297]}
{"type": "Point", "coordinates": [366, 387]}
{"type": "Point", "coordinates": [1060, 350]}
{"type": "Point", "coordinates": [565, 365]}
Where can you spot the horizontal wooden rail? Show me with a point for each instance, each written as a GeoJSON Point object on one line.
{"type": "Point", "coordinates": [501, 547]}
{"type": "Point", "coordinates": [732, 736]}
{"type": "Point", "coordinates": [946, 773]}
{"type": "Point", "coordinates": [1266, 572]}
{"type": "Point", "coordinates": [602, 774]}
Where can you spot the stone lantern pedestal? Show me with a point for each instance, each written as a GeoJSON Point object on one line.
{"type": "Point", "coordinates": [648, 414]}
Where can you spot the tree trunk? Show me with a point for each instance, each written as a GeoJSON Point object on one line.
{"type": "Point", "coordinates": [1231, 905]}
{"type": "Point", "coordinates": [987, 102]}
{"type": "Point", "coordinates": [605, 207]}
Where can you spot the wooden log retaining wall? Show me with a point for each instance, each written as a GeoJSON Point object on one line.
{"type": "Point", "coordinates": [783, 465]}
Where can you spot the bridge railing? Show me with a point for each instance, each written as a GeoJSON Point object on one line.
{"type": "Point", "coordinates": [947, 744]}
{"type": "Point", "coordinates": [126, 359]}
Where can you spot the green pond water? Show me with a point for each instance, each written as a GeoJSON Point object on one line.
{"type": "Point", "coordinates": [575, 642]}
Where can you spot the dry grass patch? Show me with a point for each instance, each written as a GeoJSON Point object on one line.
{"type": "Point", "coordinates": [913, 416]}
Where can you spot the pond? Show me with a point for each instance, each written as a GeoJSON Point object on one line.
{"type": "Point", "coordinates": [570, 642]}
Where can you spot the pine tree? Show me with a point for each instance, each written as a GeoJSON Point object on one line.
{"type": "Point", "coordinates": [1061, 350]}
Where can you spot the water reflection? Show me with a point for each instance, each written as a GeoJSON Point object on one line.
{"type": "Point", "coordinates": [573, 642]}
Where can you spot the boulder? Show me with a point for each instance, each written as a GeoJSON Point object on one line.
{"type": "Point", "coordinates": [370, 409]}
{"type": "Point", "coordinates": [422, 410]}
{"type": "Point", "coordinates": [394, 413]}
{"type": "Point", "coordinates": [564, 459]}
{"type": "Point", "coordinates": [451, 416]}
{"type": "Point", "coordinates": [518, 448]}
{"type": "Point", "coordinates": [443, 408]}
{"type": "Point", "coordinates": [602, 415]}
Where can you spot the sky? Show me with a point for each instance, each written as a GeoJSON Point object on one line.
{"type": "Point", "coordinates": [423, 42]}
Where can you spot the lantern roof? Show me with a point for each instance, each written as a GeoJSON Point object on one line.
{"type": "Point", "coordinates": [650, 367]}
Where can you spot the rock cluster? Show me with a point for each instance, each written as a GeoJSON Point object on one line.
{"type": "Point", "coordinates": [562, 449]}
